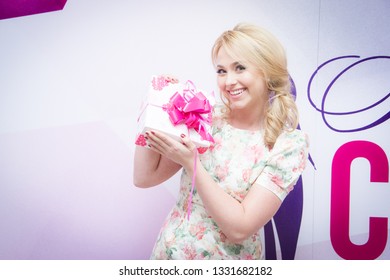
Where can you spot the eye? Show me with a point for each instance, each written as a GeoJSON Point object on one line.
{"type": "Point", "coordinates": [240, 68]}
{"type": "Point", "coordinates": [220, 71]}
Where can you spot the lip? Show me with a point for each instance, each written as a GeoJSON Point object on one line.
{"type": "Point", "coordinates": [238, 91]}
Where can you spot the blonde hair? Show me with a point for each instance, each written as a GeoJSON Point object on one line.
{"type": "Point", "coordinates": [254, 45]}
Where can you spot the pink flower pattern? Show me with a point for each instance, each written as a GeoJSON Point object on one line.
{"type": "Point", "coordinates": [246, 174]}
{"type": "Point", "coordinates": [159, 82]}
{"type": "Point", "coordinates": [237, 160]}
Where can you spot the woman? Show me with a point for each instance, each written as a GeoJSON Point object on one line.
{"type": "Point", "coordinates": [242, 179]}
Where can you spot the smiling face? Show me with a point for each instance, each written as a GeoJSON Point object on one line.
{"type": "Point", "coordinates": [241, 84]}
{"type": "Point", "coordinates": [251, 65]}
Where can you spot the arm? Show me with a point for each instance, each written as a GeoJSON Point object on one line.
{"type": "Point", "coordinates": [237, 220]}
{"type": "Point", "coordinates": [151, 168]}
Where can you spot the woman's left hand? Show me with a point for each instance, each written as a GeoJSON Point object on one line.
{"type": "Point", "coordinates": [180, 152]}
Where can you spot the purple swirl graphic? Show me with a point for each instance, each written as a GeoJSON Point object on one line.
{"type": "Point", "coordinates": [322, 110]}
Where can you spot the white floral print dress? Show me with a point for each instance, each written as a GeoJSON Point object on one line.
{"type": "Point", "coordinates": [236, 161]}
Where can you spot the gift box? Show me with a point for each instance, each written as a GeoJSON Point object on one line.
{"type": "Point", "coordinates": [175, 109]}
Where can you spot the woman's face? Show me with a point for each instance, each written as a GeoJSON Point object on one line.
{"type": "Point", "coordinates": [243, 85]}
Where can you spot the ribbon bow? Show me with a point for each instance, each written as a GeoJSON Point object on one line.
{"type": "Point", "coordinates": [189, 109]}
{"type": "Point", "coordinates": [194, 110]}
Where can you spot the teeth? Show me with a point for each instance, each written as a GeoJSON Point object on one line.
{"type": "Point", "coordinates": [236, 92]}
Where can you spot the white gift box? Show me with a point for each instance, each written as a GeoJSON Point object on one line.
{"type": "Point", "coordinates": [167, 108]}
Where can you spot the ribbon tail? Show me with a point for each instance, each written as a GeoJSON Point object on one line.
{"type": "Point", "coordinates": [192, 187]}
{"type": "Point", "coordinates": [202, 131]}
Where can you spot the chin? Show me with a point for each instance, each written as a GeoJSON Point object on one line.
{"type": "Point", "coordinates": [237, 106]}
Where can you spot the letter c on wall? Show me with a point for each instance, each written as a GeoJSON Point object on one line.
{"type": "Point", "coordinates": [340, 200]}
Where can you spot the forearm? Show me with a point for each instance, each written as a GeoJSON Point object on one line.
{"type": "Point", "coordinates": [150, 168]}
{"type": "Point", "coordinates": [227, 212]}
{"type": "Point", "coordinates": [145, 163]}
{"type": "Point", "coordinates": [237, 220]}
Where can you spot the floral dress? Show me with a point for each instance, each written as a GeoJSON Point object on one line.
{"type": "Point", "coordinates": [237, 160]}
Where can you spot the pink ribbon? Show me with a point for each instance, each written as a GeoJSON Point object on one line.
{"type": "Point", "coordinates": [189, 108]}
{"type": "Point", "coordinates": [194, 110]}
{"type": "Point", "coordinates": [189, 208]}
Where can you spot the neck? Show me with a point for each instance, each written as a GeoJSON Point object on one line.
{"type": "Point", "coordinates": [243, 119]}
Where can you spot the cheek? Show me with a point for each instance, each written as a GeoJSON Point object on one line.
{"type": "Point", "coordinates": [221, 83]}
{"type": "Point", "coordinates": [248, 81]}
{"type": "Point", "coordinates": [264, 89]}
{"type": "Point", "coordinates": [260, 86]}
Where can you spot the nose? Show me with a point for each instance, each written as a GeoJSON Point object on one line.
{"type": "Point", "coordinates": [231, 79]}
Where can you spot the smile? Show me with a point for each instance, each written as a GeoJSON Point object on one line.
{"type": "Point", "coordinates": [236, 92]}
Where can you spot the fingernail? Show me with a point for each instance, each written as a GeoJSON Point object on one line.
{"type": "Point", "coordinates": [182, 136]}
{"type": "Point", "coordinates": [147, 133]}
{"type": "Point", "coordinates": [146, 138]}
{"type": "Point", "coordinates": [153, 133]}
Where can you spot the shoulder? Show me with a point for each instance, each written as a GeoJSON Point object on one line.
{"type": "Point", "coordinates": [290, 139]}
{"type": "Point", "coordinates": [286, 162]}
{"type": "Point", "coordinates": [292, 145]}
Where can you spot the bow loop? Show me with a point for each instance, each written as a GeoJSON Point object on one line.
{"type": "Point", "coordinates": [192, 109]}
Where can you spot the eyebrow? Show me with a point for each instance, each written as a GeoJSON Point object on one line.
{"type": "Point", "coordinates": [234, 64]}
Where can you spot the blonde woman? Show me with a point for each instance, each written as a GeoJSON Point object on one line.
{"type": "Point", "coordinates": [257, 157]}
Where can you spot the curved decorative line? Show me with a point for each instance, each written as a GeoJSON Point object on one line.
{"type": "Point", "coordinates": [315, 73]}
{"type": "Point", "coordinates": [322, 109]}
{"type": "Point", "coordinates": [373, 124]}
{"type": "Point", "coordinates": [357, 111]}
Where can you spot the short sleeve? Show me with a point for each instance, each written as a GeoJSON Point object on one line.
{"type": "Point", "coordinates": [285, 164]}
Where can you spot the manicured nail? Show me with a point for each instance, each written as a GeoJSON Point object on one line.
{"type": "Point", "coordinates": [147, 133]}
{"type": "Point", "coordinates": [153, 133]}
{"type": "Point", "coordinates": [182, 136]}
